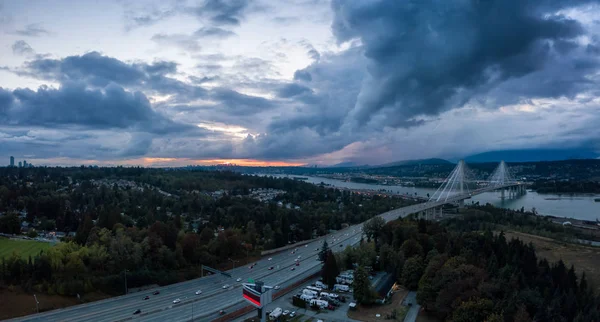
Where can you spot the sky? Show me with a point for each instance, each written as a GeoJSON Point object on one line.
{"type": "Point", "coordinates": [295, 82]}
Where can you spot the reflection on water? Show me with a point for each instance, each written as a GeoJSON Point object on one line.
{"type": "Point", "coordinates": [563, 205]}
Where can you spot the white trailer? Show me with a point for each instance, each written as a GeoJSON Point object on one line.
{"type": "Point", "coordinates": [320, 303]}
{"type": "Point", "coordinates": [276, 313]}
{"type": "Point", "coordinates": [320, 284]}
{"type": "Point", "coordinates": [310, 292]}
{"type": "Point", "coordinates": [341, 288]}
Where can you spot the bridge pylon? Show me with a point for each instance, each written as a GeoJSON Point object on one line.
{"type": "Point", "coordinates": [455, 184]}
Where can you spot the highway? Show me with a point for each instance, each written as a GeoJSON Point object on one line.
{"type": "Point", "coordinates": [214, 297]}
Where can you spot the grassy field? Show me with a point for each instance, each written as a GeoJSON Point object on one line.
{"type": "Point", "coordinates": [585, 258]}
{"type": "Point", "coordinates": [22, 247]}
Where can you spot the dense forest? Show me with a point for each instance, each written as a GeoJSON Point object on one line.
{"type": "Point", "coordinates": [554, 186]}
{"type": "Point", "coordinates": [159, 225]}
{"type": "Point", "coordinates": [462, 275]}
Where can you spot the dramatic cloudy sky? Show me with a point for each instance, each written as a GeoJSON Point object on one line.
{"type": "Point", "coordinates": [294, 82]}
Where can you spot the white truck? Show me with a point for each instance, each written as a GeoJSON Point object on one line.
{"type": "Point", "coordinates": [310, 292]}
{"type": "Point", "coordinates": [276, 313]}
{"type": "Point", "coordinates": [341, 288]}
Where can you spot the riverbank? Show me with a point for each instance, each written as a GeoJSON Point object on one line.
{"type": "Point", "coordinates": [581, 207]}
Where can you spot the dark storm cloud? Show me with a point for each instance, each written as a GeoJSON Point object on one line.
{"type": "Point", "coordinates": [92, 68]}
{"type": "Point", "coordinates": [213, 32]}
{"type": "Point", "coordinates": [74, 104]}
{"type": "Point", "coordinates": [425, 58]}
{"type": "Point", "coordinates": [138, 145]}
{"type": "Point", "coordinates": [160, 67]}
{"type": "Point", "coordinates": [32, 30]}
{"type": "Point", "coordinates": [224, 12]}
{"type": "Point", "coordinates": [21, 48]}
{"type": "Point", "coordinates": [291, 90]}
{"type": "Point", "coordinates": [96, 70]}
{"type": "Point", "coordinates": [302, 75]}
{"type": "Point", "coordinates": [240, 104]}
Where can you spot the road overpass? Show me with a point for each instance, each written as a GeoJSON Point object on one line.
{"type": "Point", "coordinates": [214, 297]}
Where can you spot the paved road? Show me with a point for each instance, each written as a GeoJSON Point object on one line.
{"type": "Point", "coordinates": [413, 311]}
{"type": "Point", "coordinates": [214, 297]}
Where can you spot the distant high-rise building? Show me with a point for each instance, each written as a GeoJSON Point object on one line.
{"type": "Point", "coordinates": [24, 163]}
{"type": "Point", "coordinates": [12, 161]}
{"type": "Point", "coordinates": [20, 166]}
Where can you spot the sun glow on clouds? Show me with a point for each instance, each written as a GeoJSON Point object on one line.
{"type": "Point", "coordinates": [232, 130]}
{"type": "Point", "coordinates": [161, 162]}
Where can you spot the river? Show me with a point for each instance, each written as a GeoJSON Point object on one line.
{"type": "Point", "coordinates": [580, 207]}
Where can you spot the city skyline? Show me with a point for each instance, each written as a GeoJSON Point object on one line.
{"type": "Point", "coordinates": [175, 83]}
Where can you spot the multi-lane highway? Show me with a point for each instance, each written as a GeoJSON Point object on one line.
{"type": "Point", "coordinates": [214, 297]}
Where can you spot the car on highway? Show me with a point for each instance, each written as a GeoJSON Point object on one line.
{"type": "Point", "coordinates": [198, 292]}
{"type": "Point", "coordinates": [156, 292]}
{"type": "Point", "coordinates": [305, 245]}
{"type": "Point", "coordinates": [299, 256]}
{"type": "Point", "coordinates": [341, 245]}
{"type": "Point", "coordinates": [225, 286]}
{"type": "Point", "coordinates": [276, 287]}
{"type": "Point", "coordinates": [222, 312]}
{"type": "Point", "coordinates": [138, 311]}
{"type": "Point", "coordinates": [270, 258]}
{"type": "Point", "coordinates": [175, 301]}
{"type": "Point", "coordinates": [238, 279]}
{"type": "Point", "coordinates": [292, 269]}
{"type": "Point", "coordinates": [271, 268]}
{"type": "Point", "coordinates": [146, 297]}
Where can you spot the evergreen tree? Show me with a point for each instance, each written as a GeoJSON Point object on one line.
{"type": "Point", "coordinates": [363, 293]}
{"type": "Point", "coordinates": [330, 270]}
{"type": "Point", "coordinates": [324, 250]}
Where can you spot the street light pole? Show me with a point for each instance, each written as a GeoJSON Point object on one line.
{"type": "Point", "coordinates": [125, 271]}
{"type": "Point", "coordinates": [37, 304]}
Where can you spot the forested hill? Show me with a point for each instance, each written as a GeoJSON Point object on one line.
{"type": "Point", "coordinates": [159, 224]}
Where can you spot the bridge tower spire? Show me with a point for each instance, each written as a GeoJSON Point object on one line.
{"type": "Point", "coordinates": [454, 184]}
{"type": "Point", "coordinates": [501, 176]}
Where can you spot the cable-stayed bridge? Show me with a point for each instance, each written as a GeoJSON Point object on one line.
{"type": "Point", "coordinates": [461, 184]}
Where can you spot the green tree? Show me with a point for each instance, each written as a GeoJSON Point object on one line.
{"type": "Point", "coordinates": [373, 227]}
{"type": "Point", "coordinates": [473, 310]}
{"type": "Point", "coordinates": [363, 292]}
{"type": "Point", "coordinates": [324, 251]}
{"type": "Point", "coordinates": [412, 271]}
{"type": "Point", "coordinates": [411, 248]}
{"type": "Point", "coordinates": [330, 270]}
{"type": "Point", "coordinates": [32, 233]}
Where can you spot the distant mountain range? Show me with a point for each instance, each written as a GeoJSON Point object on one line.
{"type": "Point", "coordinates": [525, 155]}
{"type": "Point", "coordinates": [532, 155]}
{"type": "Point", "coordinates": [391, 164]}
{"type": "Point", "coordinates": [415, 162]}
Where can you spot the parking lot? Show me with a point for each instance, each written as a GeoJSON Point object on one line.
{"type": "Point", "coordinates": [285, 303]}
